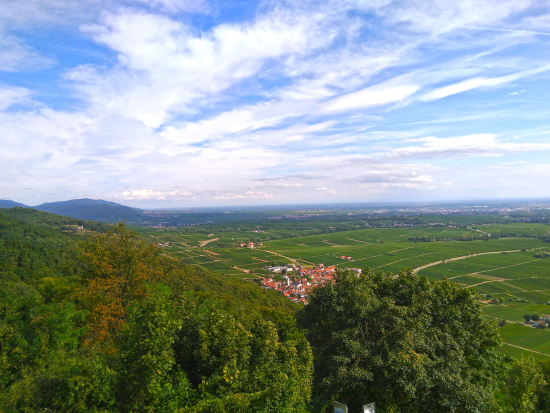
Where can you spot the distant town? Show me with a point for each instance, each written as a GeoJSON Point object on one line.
{"type": "Point", "coordinates": [296, 281]}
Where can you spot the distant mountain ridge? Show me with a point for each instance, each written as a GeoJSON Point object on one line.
{"type": "Point", "coordinates": [8, 203]}
{"type": "Point", "coordinates": [78, 202]}
{"type": "Point", "coordinates": [85, 208]}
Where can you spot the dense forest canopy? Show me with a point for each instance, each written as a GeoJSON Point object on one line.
{"type": "Point", "coordinates": [94, 319]}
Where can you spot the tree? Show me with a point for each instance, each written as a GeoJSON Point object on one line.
{"type": "Point", "coordinates": [116, 267]}
{"type": "Point", "coordinates": [235, 367]}
{"type": "Point", "coordinates": [66, 383]}
{"type": "Point", "coordinates": [406, 343]}
{"type": "Point", "coordinates": [524, 385]}
{"type": "Point", "coordinates": [535, 317]}
{"type": "Point", "coordinates": [527, 317]}
{"type": "Point", "coordinates": [147, 379]}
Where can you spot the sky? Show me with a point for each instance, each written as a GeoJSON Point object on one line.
{"type": "Point", "coordinates": [181, 103]}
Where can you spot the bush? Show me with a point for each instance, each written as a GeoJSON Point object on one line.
{"type": "Point", "coordinates": [502, 323]}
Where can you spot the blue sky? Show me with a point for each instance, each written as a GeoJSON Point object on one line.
{"type": "Point", "coordinates": [167, 103]}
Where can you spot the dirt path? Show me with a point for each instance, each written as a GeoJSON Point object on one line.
{"type": "Point", "coordinates": [431, 264]}
{"type": "Point", "coordinates": [356, 240]}
{"type": "Point", "coordinates": [335, 245]}
{"type": "Point", "coordinates": [526, 349]}
{"type": "Point", "coordinates": [480, 274]}
{"type": "Point", "coordinates": [384, 253]}
{"type": "Point", "coordinates": [477, 230]}
{"type": "Point", "coordinates": [203, 243]}
{"type": "Point", "coordinates": [293, 260]}
{"type": "Point", "coordinates": [405, 259]}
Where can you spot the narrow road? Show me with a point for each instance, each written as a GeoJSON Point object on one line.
{"type": "Point", "coordinates": [404, 259]}
{"type": "Point", "coordinates": [384, 253]}
{"type": "Point", "coordinates": [526, 349]}
{"type": "Point", "coordinates": [431, 264]}
{"type": "Point", "coordinates": [293, 260]}
{"type": "Point", "coordinates": [203, 243]}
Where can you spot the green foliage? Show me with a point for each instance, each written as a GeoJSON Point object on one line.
{"type": "Point", "coordinates": [147, 381]}
{"type": "Point", "coordinates": [189, 340]}
{"type": "Point", "coordinates": [224, 357]}
{"type": "Point", "coordinates": [31, 330]}
{"type": "Point", "coordinates": [524, 384]}
{"type": "Point", "coordinates": [409, 344]}
{"type": "Point", "coordinates": [65, 383]}
{"type": "Point", "coordinates": [56, 222]}
{"type": "Point", "coordinates": [186, 340]}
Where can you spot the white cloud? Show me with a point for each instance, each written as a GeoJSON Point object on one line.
{"type": "Point", "coordinates": [391, 91]}
{"type": "Point", "coordinates": [174, 195]}
{"type": "Point", "coordinates": [267, 109]}
{"type": "Point", "coordinates": [442, 16]}
{"type": "Point", "coordinates": [164, 66]}
{"type": "Point", "coordinates": [174, 6]}
{"type": "Point", "coordinates": [21, 14]}
{"type": "Point", "coordinates": [464, 146]}
{"type": "Point", "coordinates": [16, 56]}
{"type": "Point", "coordinates": [13, 95]}
{"type": "Point", "coordinates": [479, 82]}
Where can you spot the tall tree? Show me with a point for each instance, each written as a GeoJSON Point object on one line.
{"type": "Point", "coordinates": [116, 267]}
{"type": "Point", "coordinates": [406, 343]}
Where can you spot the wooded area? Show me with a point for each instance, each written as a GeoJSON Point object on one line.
{"type": "Point", "coordinates": [98, 320]}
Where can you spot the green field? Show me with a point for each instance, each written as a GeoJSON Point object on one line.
{"type": "Point", "coordinates": [506, 270]}
{"type": "Point", "coordinates": [525, 340]}
{"type": "Point", "coordinates": [503, 268]}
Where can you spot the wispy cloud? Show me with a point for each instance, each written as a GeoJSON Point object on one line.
{"type": "Point", "coordinates": [289, 102]}
{"type": "Point", "coordinates": [464, 146]}
{"type": "Point", "coordinates": [480, 82]}
{"type": "Point", "coordinates": [16, 56]}
{"type": "Point", "coordinates": [506, 30]}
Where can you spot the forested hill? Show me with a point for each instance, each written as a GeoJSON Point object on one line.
{"type": "Point", "coordinates": [6, 203]}
{"type": "Point", "coordinates": [94, 319]}
{"type": "Point", "coordinates": [103, 322]}
{"type": "Point", "coordinates": [55, 222]}
{"type": "Point", "coordinates": [89, 209]}
{"type": "Point", "coordinates": [35, 244]}
{"type": "Point", "coordinates": [93, 209]}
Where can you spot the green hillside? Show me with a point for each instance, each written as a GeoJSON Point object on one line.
{"type": "Point", "coordinates": [6, 203]}
{"type": "Point", "coordinates": [91, 209]}
{"type": "Point", "coordinates": [95, 319]}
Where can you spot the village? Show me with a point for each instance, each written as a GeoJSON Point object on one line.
{"type": "Point", "coordinates": [296, 282]}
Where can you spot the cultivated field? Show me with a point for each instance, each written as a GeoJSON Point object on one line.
{"type": "Point", "coordinates": [502, 268]}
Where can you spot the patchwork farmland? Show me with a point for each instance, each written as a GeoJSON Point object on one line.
{"type": "Point", "coordinates": [503, 270]}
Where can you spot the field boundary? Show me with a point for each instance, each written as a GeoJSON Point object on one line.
{"type": "Point", "coordinates": [462, 257]}
{"type": "Point", "coordinates": [208, 241]}
{"type": "Point", "coordinates": [526, 349]}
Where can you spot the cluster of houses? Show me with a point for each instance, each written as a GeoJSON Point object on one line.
{"type": "Point", "coordinates": [163, 245]}
{"type": "Point", "coordinates": [250, 245]}
{"type": "Point", "coordinates": [345, 257]}
{"type": "Point", "coordinates": [297, 281]}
